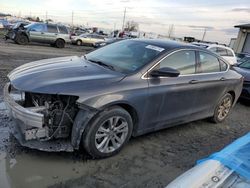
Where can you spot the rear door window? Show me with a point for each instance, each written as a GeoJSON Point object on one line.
{"type": "Point", "coordinates": [184, 61]}
{"type": "Point", "coordinates": [221, 51]}
{"type": "Point", "coordinates": [208, 63]}
{"type": "Point", "coordinates": [52, 28]}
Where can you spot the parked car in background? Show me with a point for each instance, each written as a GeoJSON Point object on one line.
{"type": "Point", "coordinates": [87, 39]}
{"type": "Point", "coordinates": [224, 51]}
{"type": "Point", "coordinates": [18, 26]}
{"type": "Point", "coordinates": [1, 26]}
{"type": "Point", "coordinates": [53, 34]}
{"type": "Point", "coordinates": [242, 55]}
{"type": "Point", "coordinates": [228, 168]}
{"type": "Point", "coordinates": [3, 23]}
{"type": "Point", "coordinates": [243, 68]}
{"type": "Point", "coordinates": [107, 41]}
{"type": "Point", "coordinates": [102, 99]}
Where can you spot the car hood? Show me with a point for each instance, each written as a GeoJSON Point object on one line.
{"type": "Point", "coordinates": [66, 75]}
{"type": "Point", "coordinates": [244, 72]}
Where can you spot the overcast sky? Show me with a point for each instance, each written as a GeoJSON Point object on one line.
{"type": "Point", "coordinates": [189, 17]}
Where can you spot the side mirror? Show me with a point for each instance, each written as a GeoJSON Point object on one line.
{"type": "Point", "coordinates": [165, 72]}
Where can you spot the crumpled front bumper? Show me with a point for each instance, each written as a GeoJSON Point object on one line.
{"type": "Point", "coordinates": [28, 126]}
{"type": "Point", "coordinates": [28, 116]}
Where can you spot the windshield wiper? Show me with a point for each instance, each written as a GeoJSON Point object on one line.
{"type": "Point", "coordinates": [101, 63]}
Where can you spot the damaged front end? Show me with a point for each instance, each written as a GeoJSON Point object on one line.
{"type": "Point", "coordinates": [41, 121]}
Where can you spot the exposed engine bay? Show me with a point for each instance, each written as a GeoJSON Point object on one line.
{"type": "Point", "coordinates": [59, 112]}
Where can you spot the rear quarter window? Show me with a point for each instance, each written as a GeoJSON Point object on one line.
{"type": "Point", "coordinates": [63, 29]}
{"type": "Point", "coordinates": [230, 53]}
{"type": "Point", "coordinates": [223, 66]}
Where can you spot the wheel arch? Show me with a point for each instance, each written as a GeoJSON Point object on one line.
{"type": "Point", "coordinates": [132, 112]}
{"type": "Point", "coordinates": [22, 33]}
{"type": "Point", "coordinates": [79, 40]}
{"type": "Point", "coordinates": [86, 114]}
{"type": "Point", "coordinates": [231, 92]}
{"type": "Point", "coordinates": [61, 39]}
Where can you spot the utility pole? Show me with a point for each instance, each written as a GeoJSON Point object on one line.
{"type": "Point", "coordinates": [170, 30]}
{"type": "Point", "coordinates": [46, 16]}
{"type": "Point", "coordinates": [204, 34]}
{"type": "Point", "coordinates": [72, 19]}
{"type": "Point", "coordinates": [124, 16]}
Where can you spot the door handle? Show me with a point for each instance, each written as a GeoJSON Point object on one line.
{"type": "Point", "coordinates": [56, 34]}
{"type": "Point", "coordinates": [222, 79]}
{"type": "Point", "coordinates": [193, 81]}
{"type": "Point", "coordinates": [42, 32]}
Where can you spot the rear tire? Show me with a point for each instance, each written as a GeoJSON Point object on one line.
{"type": "Point", "coordinates": [60, 43]}
{"type": "Point", "coordinates": [223, 108]}
{"type": "Point", "coordinates": [107, 134]}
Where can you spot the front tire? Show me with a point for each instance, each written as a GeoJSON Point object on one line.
{"type": "Point", "coordinates": [223, 108]}
{"type": "Point", "coordinates": [22, 39]}
{"type": "Point", "coordinates": [78, 42]}
{"type": "Point", "coordinates": [107, 134]}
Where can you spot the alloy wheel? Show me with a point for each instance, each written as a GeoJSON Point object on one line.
{"type": "Point", "coordinates": [224, 108]}
{"type": "Point", "coordinates": [111, 134]}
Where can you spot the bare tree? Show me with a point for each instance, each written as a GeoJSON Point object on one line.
{"type": "Point", "coordinates": [131, 26]}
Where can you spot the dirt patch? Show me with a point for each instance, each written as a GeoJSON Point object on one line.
{"type": "Point", "coordinates": [151, 160]}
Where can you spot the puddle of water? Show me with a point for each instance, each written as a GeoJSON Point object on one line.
{"type": "Point", "coordinates": [34, 170]}
{"type": "Point", "coordinates": [2, 106]}
{"type": "Point", "coordinates": [4, 179]}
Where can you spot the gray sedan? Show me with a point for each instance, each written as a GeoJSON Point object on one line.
{"type": "Point", "coordinates": [125, 89]}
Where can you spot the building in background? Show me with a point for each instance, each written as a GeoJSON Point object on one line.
{"type": "Point", "coordinates": [242, 43]}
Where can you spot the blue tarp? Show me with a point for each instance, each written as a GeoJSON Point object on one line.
{"type": "Point", "coordinates": [235, 156]}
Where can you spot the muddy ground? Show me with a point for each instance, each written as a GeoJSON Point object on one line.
{"type": "Point", "coordinates": [151, 160]}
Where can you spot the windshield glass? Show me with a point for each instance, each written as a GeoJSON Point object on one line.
{"type": "Point", "coordinates": [244, 59]}
{"type": "Point", "coordinates": [29, 25]}
{"type": "Point", "coordinates": [245, 65]}
{"type": "Point", "coordinates": [126, 56]}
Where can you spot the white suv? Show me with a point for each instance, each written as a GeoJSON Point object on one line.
{"type": "Point", "coordinates": [225, 52]}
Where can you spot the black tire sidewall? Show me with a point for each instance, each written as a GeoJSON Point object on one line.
{"type": "Point", "coordinates": [89, 133]}
{"type": "Point", "coordinates": [60, 43]}
{"type": "Point", "coordinates": [22, 39]}
{"type": "Point", "coordinates": [80, 42]}
{"type": "Point", "coordinates": [215, 118]}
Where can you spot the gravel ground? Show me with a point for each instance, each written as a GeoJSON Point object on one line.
{"type": "Point", "coordinates": [152, 160]}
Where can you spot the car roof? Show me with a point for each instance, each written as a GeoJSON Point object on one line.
{"type": "Point", "coordinates": [211, 45]}
{"type": "Point", "coordinates": [166, 44]}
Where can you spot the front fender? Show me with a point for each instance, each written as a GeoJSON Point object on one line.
{"type": "Point", "coordinates": [82, 119]}
{"type": "Point", "coordinates": [101, 102]}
